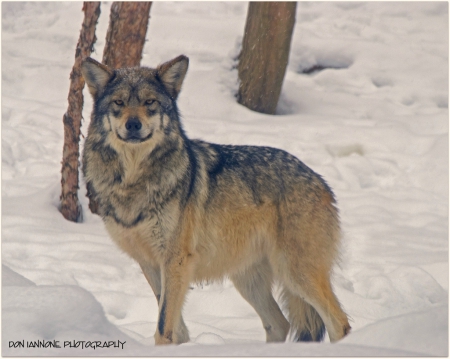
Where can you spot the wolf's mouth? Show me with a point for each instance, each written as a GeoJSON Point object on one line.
{"type": "Point", "coordinates": [134, 139]}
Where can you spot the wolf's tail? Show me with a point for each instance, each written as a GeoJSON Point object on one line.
{"type": "Point", "coordinates": [306, 324]}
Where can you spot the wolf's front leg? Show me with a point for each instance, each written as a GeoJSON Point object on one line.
{"type": "Point", "coordinates": [153, 276]}
{"type": "Point", "coordinates": [175, 281]}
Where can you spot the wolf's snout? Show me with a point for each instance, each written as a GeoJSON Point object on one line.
{"type": "Point", "coordinates": [134, 131]}
{"type": "Point", "coordinates": [133, 125]}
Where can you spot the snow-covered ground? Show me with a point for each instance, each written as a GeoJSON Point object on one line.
{"type": "Point", "coordinates": [375, 126]}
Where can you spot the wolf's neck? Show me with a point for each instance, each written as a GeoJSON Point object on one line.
{"type": "Point", "coordinates": [152, 163]}
{"type": "Point", "coordinates": [133, 162]}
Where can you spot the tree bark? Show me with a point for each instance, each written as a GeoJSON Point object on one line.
{"type": "Point", "coordinates": [265, 53]}
{"type": "Point", "coordinates": [70, 206]}
{"type": "Point", "coordinates": [126, 34]}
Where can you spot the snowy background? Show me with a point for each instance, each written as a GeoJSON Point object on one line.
{"type": "Point", "coordinates": [374, 124]}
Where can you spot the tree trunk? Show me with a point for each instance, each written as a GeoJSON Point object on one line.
{"type": "Point", "coordinates": [70, 206]}
{"type": "Point", "coordinates": [265, 53]}
{"type": "Point", "coordinates": [126, 34]}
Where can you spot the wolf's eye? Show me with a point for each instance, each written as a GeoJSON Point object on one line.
{"type": "Point", "coordinates": [118, 102]}
{"type": "Point", "coordinates": [149, 102]}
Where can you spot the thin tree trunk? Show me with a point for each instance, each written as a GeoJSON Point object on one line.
{"type": "Point", "coordinates": [265, 53]}
{"type": "Point", "coordinates": [124, 44]}
{"type": "Point", "coordinates": [70, 206]}
{"type": "Point", "coordinates": [126, 34]}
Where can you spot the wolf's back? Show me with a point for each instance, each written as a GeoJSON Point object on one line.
{"type": "Point", "coordinates": [265, 172]}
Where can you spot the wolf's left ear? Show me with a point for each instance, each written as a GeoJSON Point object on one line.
{"type": "Point", "coordinates": [96, 75]}
{"type": "Point", "coordinates": [172, 74]}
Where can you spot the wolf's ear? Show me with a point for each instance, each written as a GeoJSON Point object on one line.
{"type": "Point", "coordinates": [172, 74]}
{"type": "Point", "coordinates": [95, 74]}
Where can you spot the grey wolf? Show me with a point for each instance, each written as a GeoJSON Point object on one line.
{"type": "Point", "coordinates": [191, 211]}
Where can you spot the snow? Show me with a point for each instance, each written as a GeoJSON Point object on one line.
{"type": "Point", "coordinates": [374, 124]}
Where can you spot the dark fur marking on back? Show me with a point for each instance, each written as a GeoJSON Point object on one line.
{"type": "Point", "coordinates": [219, 165]}
{"type": "Point", "coordinates": [243, 159]}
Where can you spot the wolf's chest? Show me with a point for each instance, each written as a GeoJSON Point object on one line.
{"type": "Point", "coordinates": [144, 241]}
{"type": "Point", "coordinates": [138, 220]}
{"type": "Point", "coordinates": [127, 205]}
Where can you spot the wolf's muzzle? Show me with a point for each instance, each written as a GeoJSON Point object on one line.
{"type": "Point", "coordinates": [133, 134]}
{"type": "Point", "coordinates": [133, 125]}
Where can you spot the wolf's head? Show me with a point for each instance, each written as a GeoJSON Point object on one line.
{"type": "Point", "coordinates": [135, 106]}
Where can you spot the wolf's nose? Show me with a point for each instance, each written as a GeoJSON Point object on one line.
{"type": "Point", "coordinates": [133, 124]}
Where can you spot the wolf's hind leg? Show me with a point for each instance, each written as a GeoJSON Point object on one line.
{"type": "Point", "coordinates": [255, 285]}
{"type": "Point", "coordinates": [315, 289]}
{"type": "Point", "coordinates": [153, 276]}
{"type": "Point", "coordinates": [306, 324]}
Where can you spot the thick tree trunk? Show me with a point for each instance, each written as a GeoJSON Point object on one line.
{"type": "Point", "coordinates": [126, 34]}
{"type": "Point", "coordinates": [265, 53]}
{"type": "Point", "coordinates": [70, 206]}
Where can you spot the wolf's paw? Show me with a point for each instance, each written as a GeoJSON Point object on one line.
{"type": "Point", "coordinates": [182, 335]}
{"type": "Point", "coordinates": [163, 339]}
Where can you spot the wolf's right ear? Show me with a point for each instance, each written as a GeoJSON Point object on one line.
{"type": "Point", "coordinates": [96, 75]}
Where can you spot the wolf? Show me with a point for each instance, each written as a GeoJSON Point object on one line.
{"type": "Point", "coordinates": [191, 211]}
